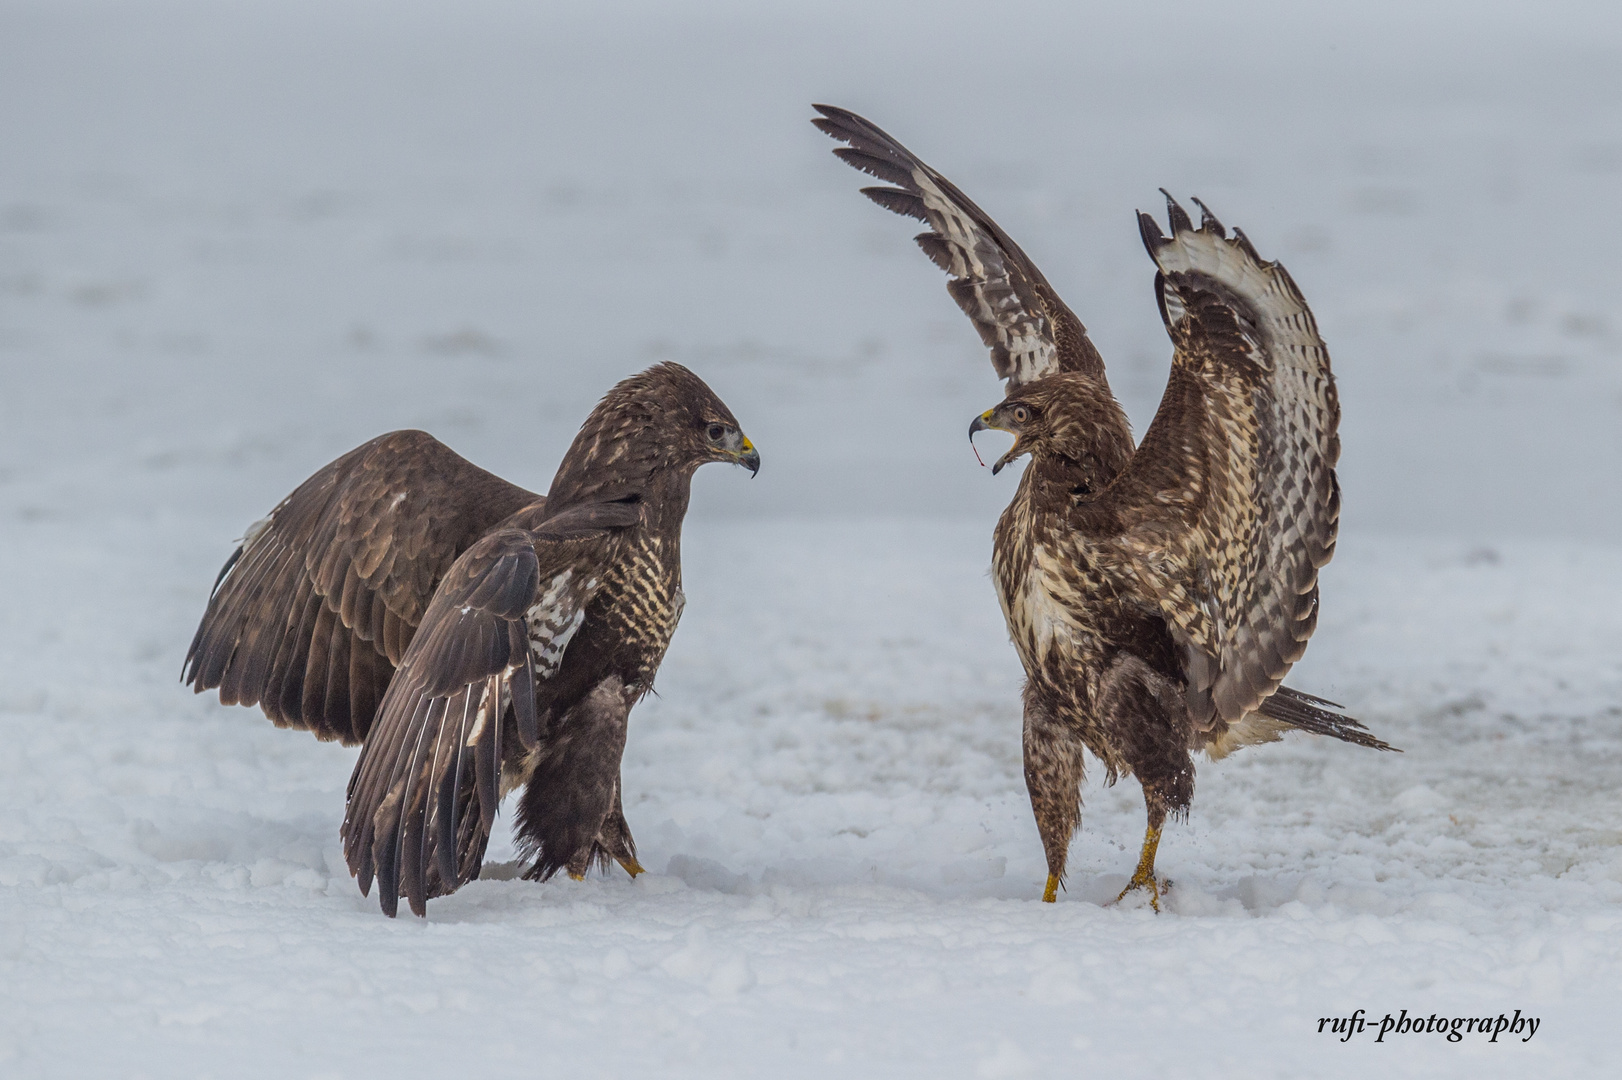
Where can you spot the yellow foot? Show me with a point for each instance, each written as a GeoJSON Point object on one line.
{"type": "Point", "coordinates": [1051, 893]}
{"type": "Point", "coordinates": [1145, 878]}
{"type": "Point", "coordinates": [576, 877]}
{"type": "Point", "coordinates": [632, 867]}
{"type": "Point", "coordinates": [1154, 885]}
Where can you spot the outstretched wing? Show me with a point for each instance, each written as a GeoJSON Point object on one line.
{"type": "Point", "coordinates": [1230, 506]}
{"type": "Point", "coordinates": [1030, 331]}
{"type": "Point", "coordinates": [424, 793]}
{"type": "Point", "coordinates": [315, 609]}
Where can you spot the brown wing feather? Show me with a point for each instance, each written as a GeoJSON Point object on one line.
{"type": "Point", "coordinates": [1230, 507]}
{"type": "Point", "coordinates": [498, 625]}
{"type": "Point", "coordinates": [1029, 330]}
{"type": "Point", "coordinates": [311, 614]}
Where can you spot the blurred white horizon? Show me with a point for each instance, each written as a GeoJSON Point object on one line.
{"type": "Point", "coordinates": [283, 228]}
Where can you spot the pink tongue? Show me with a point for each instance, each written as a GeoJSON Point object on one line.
{"type": "Point", "coordinates": [977, 456]}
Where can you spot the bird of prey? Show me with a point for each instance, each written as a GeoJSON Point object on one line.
{"type": "Point", "coordinates": [1156, 595]}
{"type": "Point", "coordinates": [472, 635]}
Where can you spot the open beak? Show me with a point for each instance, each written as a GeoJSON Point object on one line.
{"type": "Point", "coordinates": [987, 421]}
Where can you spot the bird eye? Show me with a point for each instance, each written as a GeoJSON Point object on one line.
{"type": "Point", "coordinates": [716, 432]}
{"type": "Point", "coordinates": [1022, 415]}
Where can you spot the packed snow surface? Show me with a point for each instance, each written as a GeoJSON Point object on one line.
{"type": "Point", "coordinates": [238, 239]}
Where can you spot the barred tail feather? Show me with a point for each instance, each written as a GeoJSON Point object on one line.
{"type": "Point", "coordinates": [1308, 713]}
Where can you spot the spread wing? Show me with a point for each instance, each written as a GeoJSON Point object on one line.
{"type": "Point", "coordinates": [1030, 331]}
{"type": "Point", "coordinates": [315, 609]}
{"type": "Point", "coordinates": [424, 793]}
{"type": "Point", "coordinates": [1230, 506]}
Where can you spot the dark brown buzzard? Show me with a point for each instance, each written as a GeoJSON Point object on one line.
{"type": "Point", "coordinates": [473, 635]}
{"type": "Point", "coordinates": [1157, 597]}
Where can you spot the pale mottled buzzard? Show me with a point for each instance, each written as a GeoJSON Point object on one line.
{"type": "Point", "coordinates": [1157, 597]}
{"type": "Point", "coordinates": [472, 634]}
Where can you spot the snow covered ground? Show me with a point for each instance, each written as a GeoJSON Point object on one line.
{"type": "Point", "coordinates": [237, 239]}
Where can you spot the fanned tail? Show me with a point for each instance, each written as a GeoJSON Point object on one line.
{"type": "Point", "coordinates": [1314, 714]}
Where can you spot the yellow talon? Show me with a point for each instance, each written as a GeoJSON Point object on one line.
{"type": "Point", "coordinates": [1050, 895]}
{"type": "Point", "coordinates": [1144, 876]}
{"type": "Point", "coordinates": [632, 867]}
{"type": "Point", "coordinates": [576, 877]}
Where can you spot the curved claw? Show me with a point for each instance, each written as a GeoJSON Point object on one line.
{"type": "Point", "coordinates": [1148, 881]}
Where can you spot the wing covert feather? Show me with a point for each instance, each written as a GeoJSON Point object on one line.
{"type": "Point", "coordinates": [313, 611]}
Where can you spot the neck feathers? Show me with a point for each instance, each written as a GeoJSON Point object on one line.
{"type": "Point", "coordinates": [623, 449]}
{"type": "Point", "coordinates": [1088, 442]}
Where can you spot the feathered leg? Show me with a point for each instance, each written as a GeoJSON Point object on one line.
{"type": "Point", "coordinates": [1149, 717]}
{"type": "Point", "coordinates": [615, 837]}
{"type": "Point", "coordinates": [1053, 774]}
{"type": "Point", "coordinates": [570, 796]}
{"type": "Point", "coordinates": [613, 842]}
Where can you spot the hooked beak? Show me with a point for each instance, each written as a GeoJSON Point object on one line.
{"type": "Point", "coordinates": [746, 455]}
{"type": "Point", "coordinates": [988, 421]}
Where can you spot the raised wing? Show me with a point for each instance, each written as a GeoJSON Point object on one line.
{"type": "Point", "coordinates": [1230, 506]}
{"type": "Point", "coordinates": [1029, 330]}
{"type": "Point", "coordinates": [314, 610]}
{"type": "Point", "coordinates": [424, 793]}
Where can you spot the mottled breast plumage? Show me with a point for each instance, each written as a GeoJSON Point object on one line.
{"type": "Point", "coordinates": [1044, 588]}
{"type": "Point", "coordinates": [641, 602]}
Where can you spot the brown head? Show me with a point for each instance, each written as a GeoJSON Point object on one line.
{"type": "Point", "coordinates": [660, 424]}
{"type": "Point", "coordinates": [1067, 417]}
